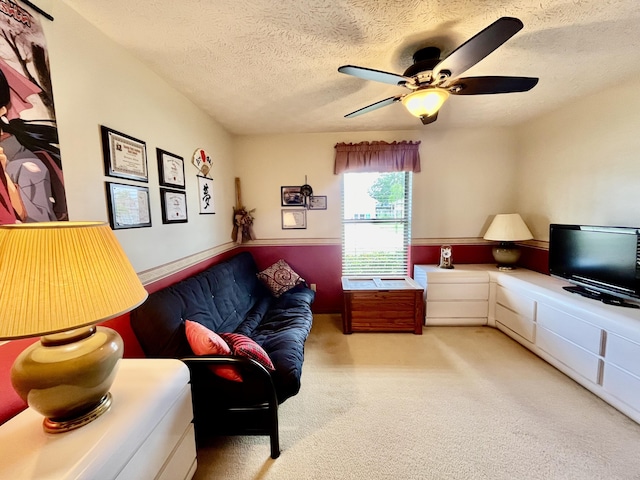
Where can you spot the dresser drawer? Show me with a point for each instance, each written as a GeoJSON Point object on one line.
{"type": "Point", "coordinates": [622, 385]}
{"type": "Point", "coordinates": [573, 329]}
{"type": "Point", "coordinates": [452, 291]}
{"type": "Point", "coordinates": [157, 451]}
{"type": "Point", "coordinates": [457, 309]}
{"type": "Point", "coordinates": [520, 324]}
{"type": "Point", "coordinates": [457, 276]}
{"type": "Point", "coordinates": [520, 304]}
{"type": "Point", "coordinates": [576, 358]}
{"type": "Point", "coordinates": [183, 459]}
{"type": "Point", "coordinates": [623, 353]}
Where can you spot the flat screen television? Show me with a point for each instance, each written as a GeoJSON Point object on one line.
{"type": "Point", "coordinates": [603, 262]}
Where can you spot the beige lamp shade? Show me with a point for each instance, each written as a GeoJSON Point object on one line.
{"type": "Point", "coordinates": [56, 276]}
{"type": "Point", "coordinates": [508, 227]}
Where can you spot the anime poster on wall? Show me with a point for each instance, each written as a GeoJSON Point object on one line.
{"type": "Point", "coordinates": [31, 181]}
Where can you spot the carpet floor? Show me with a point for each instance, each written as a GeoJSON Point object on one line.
{"type": "Point", "coordinates": [453, 403]}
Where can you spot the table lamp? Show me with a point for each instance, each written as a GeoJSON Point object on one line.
{"type": "Point", "coordinates": [57, 280]}
{"type": "Point", "coordinates": [507, 228]}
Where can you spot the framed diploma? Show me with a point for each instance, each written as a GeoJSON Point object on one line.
{"type": "Point", "coordinates": [170, 169]}
{"type": "Point", "coordinates": [128, 206]}
{"type": "Point", "coordinates": [318, 202]}
{"type": "Point", "coordinates": [294, 219]}
{"type": "Point", "coordinates": [174, 206]}
{"type": "Point", "coordinates": [124, 156]}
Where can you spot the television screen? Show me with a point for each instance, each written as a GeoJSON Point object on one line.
{"type": "Point", "coordinates": [604, 259]}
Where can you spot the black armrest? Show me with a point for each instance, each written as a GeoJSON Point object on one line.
{"type": "Point", "coordinates": [263, 374]}
{"type": "Point", "coordinates": [244, 363]}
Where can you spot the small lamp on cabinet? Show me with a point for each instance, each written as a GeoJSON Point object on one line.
{"type": "Point", "coordinates": [507, 228]}
{"type": "Point", "coordinates": [57, 280]}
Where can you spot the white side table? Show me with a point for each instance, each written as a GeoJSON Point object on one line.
{"type": "Point", "coordinates": [147, 433]}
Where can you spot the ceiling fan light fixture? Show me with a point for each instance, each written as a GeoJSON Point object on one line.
{"type": "Point", "coordinates": [425, 102]}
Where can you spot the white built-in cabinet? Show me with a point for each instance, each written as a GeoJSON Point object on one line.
{"type": "Point", "coordinates": [146, 434]}
{"type": "Point", "coordinates": [595, 344]}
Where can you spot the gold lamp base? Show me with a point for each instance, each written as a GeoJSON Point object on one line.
{"type": "Point", "coordinates": [66, 376]}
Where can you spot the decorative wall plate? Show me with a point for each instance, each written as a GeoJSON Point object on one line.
{"type": "Point", "coordinates": [202, 161]}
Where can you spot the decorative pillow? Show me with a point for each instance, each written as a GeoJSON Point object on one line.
{"type": "Point", "coordinates": [205, 342]}
{"type": "Point", "coordinates": [243, 346]}
{"type": "Point", "coordinates": [280, 278]}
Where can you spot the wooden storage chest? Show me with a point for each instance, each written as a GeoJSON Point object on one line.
{"type": "Point", "coordinates": [382, 304]}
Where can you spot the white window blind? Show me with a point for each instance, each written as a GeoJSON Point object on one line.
{"type": "Point", "coordinates": [376, 223]}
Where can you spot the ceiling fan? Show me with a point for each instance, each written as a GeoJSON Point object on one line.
{"type": "Point", "coordinates": [431, 79]}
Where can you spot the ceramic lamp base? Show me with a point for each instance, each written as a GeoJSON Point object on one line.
{"type": "Point", "coordinates": [66, 376]}
{"type": "Point", "coordinates": [506, 255]}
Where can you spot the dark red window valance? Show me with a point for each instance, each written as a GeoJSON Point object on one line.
{"type": "Point", "coordinates": [377, 157]}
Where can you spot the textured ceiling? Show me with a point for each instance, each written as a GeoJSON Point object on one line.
{"type": "Point", "coordinates": [270, 66]}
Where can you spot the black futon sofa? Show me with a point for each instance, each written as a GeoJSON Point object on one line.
{"type": "Point", "coordinates": [229, 297]}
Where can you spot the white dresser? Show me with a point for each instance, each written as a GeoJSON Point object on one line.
{"type": "Point", "coordinates": [147, 433]}
{"type": "Point", "coordinates": [457, 296]}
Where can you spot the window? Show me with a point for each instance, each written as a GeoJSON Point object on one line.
{"type": "Point", "coordinates": [376, 223]}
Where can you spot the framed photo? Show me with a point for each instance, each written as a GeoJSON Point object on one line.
{"type": "Point", "coordinates": [170, 169]}
{"type": "Point", "coordinates": [124, 156]}
{"type": "Point", "coordinates": [129, 206]}
{"type": "Point", "coordinates": [318, 202]}
{"type": "Point", "coordinates": [205, 195]}
{"type": "Point", "coordinates": [174, 206]}
{"type": "Point", "coordinates": [291, 196]}
{"type": "Point", "coordinates": [294, 219]}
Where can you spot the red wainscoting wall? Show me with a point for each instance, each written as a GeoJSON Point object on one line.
{"type": "Point", "coordinates": [319, 264]}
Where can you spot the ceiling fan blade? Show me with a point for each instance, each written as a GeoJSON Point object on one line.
{"type": "Point", "coordinates": [430, 119]}
{"type": "Point", "coordinates": [374, 106]}
{"type": "Point", "coordinates": [489, 85]}
{"type": "Point", "coordinates": [374, 75]}
{"type": "Point", "coordinates": [478, 47]}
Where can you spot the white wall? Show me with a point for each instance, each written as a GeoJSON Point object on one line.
{"type": "Point", "coordinates": [581, 163]}
{"type": "Point", "coordinates": [466, 178]}
{"type": "Point", "coordinates": [95, 83]}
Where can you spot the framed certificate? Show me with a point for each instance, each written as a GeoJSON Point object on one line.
{"type": "Point", "coordinates": [124, 156]}
{"type": "Point", "coordinates": [318, 202]}
{"type": "Point", "coordinates": [170, 169]}
{"type": "Point", "coordinates": [294, 219]}
{"type": "Point", "coordinates": [174, 206]}
{"type": "Point", "coordinates": [128, 206]}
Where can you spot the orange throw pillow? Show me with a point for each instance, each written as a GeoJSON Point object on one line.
{"type": "Point", "coordinates": [205, 342]}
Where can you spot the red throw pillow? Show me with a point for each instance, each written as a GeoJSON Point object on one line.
{"type": "Point", "coordinates": [245, 347]}
{"type": "Point", "coordinates": [205, 342]}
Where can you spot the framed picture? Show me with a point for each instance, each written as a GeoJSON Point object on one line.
{"type": "Point", "coordinates": [174, 206]}
{"type": "Point", "coordinates": [294, 219]}
{"type": "Point", "coordinates": [129, 206]}
{"type": "Point", "coordinates": [205, 195]}
{"type": "Point", "coordinates": [124, 156]}
{"type": "Point", "coordinates": [291, 196]}
{"type": "Point", "coordinates": [318, 202]}
{"type": "Point", "coordinates": [170, 169]}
